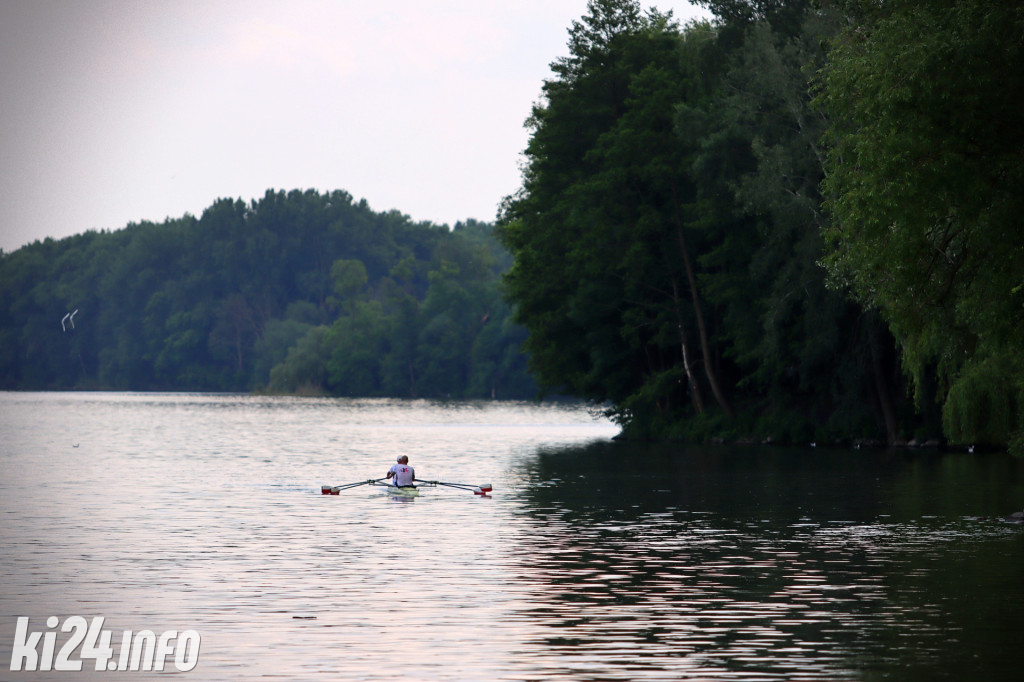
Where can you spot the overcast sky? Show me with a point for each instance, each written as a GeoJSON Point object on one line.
{"type": "Point", "coordinates": [118, 111]}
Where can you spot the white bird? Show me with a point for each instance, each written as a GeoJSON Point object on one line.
{"type": "Point", "coordinates": [68, 317]}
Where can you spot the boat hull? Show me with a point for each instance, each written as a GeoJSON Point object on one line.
{"type": "Point", "coordinates": [403, 492]}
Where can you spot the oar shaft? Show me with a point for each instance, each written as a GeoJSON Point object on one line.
{"type": "Point", "coordinates": [335, 489]}
{"type": "Point", "coordinates": [477, 489]}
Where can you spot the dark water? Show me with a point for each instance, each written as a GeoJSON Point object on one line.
{"type": "Point", "coordinates": [757, 563]}
{"type": "Point", "coordinates": [592, 560]}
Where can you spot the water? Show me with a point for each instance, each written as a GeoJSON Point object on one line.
{"type": "Point", "coordinates": [592, 560]}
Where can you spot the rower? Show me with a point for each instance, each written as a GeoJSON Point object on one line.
{"type": "Point", "coordinates": [403, 474]}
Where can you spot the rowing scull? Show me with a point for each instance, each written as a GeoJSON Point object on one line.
{"type": "Point", "coordinates": [483, 489]}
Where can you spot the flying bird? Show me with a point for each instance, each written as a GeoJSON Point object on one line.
{"type": "Point", "coordinates": [68, 317]}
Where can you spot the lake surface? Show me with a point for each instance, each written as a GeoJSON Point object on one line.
{"type": "Point", "coordinates": [591, 560]}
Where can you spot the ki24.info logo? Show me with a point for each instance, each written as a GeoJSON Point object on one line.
{"type": "Point", "coordinates": [143, 650]}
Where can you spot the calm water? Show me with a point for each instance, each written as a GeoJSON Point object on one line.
{"type": "Point", "coordinates": [592, 560]}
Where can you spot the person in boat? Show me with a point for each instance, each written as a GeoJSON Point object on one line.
{"type": "Point", "coordinates": [404, 475]}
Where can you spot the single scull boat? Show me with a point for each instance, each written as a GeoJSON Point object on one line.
{"type": "Point", "coordinates": [484, 489]}
{"type": "Point", "coordinates": [403, 491]}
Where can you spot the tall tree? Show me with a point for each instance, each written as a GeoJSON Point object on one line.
{"type": "Point", "coordinates": [926, 101]}
{"type": "Point", "coordinates": [605, 275]}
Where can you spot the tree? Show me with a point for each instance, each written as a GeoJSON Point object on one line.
{"type": "Point", "coordinates": [305, 368]}
{"type": "Point", "coordinates": [926, 102]}
{"type": "Point", "coordinates": [358, 341]}
{"type": "Point", "coordinates": [321, 286]}
{"type": "Point", "coordinates": [604, 277]}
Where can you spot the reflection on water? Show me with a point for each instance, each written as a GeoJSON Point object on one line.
{"type": "Point", "coordinates": [593, 560]}
{"type": "Point", "coordinates": [752, 564]}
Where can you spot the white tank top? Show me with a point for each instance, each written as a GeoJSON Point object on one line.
{"type": "Point", "coordinates": [404, 474]}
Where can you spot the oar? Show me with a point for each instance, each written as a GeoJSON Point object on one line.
{"type": "Point", "coordinates": [335, 489]}
{"type": "Point", "coordinates": [482, 489]}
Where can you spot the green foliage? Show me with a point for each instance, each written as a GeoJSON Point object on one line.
{"type": "Point", "coordinates": [602, 276]}
{"type": "Point", "coordinates": [304, 370]}
{"type": "Point", "coordinates": [926, 101]}
{"type": "Point", "coordinates": [278, 337]}
{"type": "Point", "coordinates": [349, 277]}
{"type": "Point", "coordinates": [296, 292]}
{"type": "Point", "coordinates": [985, 405]}
{"type": "Point", "coordinates": [811, 363]}
{"type": "Point", "coordinates": [357, 341]}
{"type": "Point", "coordinates": [667, 234]}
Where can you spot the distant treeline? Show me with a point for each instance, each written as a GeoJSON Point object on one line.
{"type": "Point", "coordinates": [803, 221]}
{"type": "Point", "coordinates": [296, 292]}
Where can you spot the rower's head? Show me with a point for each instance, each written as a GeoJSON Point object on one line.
{"type": "Point", "coordinates": [403, 459]}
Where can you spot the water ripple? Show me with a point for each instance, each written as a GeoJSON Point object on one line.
{"type": "Point", "coordinates": [592, 561]}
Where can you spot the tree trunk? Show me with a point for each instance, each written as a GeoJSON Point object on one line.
{"type": "Point", "coordinates": [882, 386]}
{"type": "Point", "coordinates": [695, 394]}
{"type": "Point", "coordinates": [705, 347]}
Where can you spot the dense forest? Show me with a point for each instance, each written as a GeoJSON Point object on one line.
{"type": "Point", "coordinates": [798, 222]}
{"type": "Point", "coordinates": [298, 292]}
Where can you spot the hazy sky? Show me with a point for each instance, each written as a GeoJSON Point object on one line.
{"type": "Point", "coordinates": [117, 111]}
